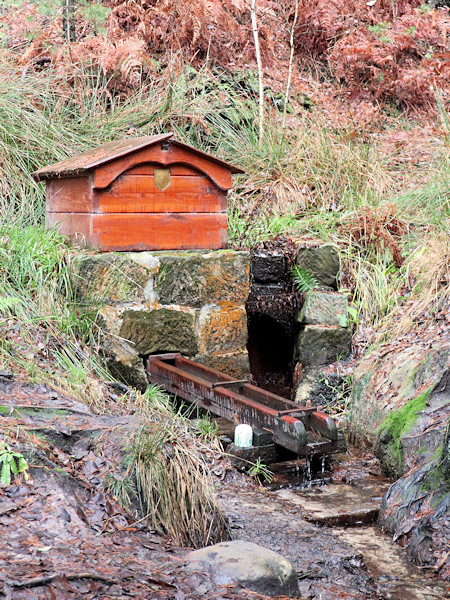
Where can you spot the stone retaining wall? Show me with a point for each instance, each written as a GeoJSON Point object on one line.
{"type": "Point", "coordinates": [191, 302]}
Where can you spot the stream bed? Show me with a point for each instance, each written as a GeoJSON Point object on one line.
{"type": "Point", "coordinates": [329, 533]}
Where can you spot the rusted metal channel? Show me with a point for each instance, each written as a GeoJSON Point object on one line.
{"type": "Point", "coordinates": [303, 430]}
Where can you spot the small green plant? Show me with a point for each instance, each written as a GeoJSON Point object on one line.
{"type": "Point", "coordinates": [260, 471]}
{"type": "Point", "coordinates": [120, 488]}
{"type": "Point", "coordinates": [304, 281]}
{"type": "Point", "coordinates": [12, 463]}
{"type": "Point", "coordinates": [205, 428]}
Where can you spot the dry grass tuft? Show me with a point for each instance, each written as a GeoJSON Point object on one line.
{"type": "Point", "coordinates": [424, 289]}
{"type": "Point", "coordinates": [174, 486]}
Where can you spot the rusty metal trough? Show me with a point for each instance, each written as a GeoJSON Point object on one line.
{"type": "Point", "coordinates": [303, 430]}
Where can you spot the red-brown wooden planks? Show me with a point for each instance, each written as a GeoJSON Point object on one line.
{"type": "Point", "coordinates": [105, 174]}
{"type": "Point", "coordinates": [149, 169]}
{"type": "Point", "coordinates": [76, 226]}
{"type": "Point", "coordinates": [138, 193]}
{"type": "Point", "coordinates": [159, 231]}
{"type": "Point", "coordinates": [69, 195]}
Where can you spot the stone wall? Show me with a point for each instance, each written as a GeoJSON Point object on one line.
{"type": "Point", "coordinates": [191, 302]}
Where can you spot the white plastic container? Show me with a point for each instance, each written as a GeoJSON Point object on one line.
{"type": "Point", "coordinates": [243, 436]}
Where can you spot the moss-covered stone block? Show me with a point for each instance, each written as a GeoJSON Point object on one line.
{"type": "Point", "coordinates": [322, 262]}
{"type": "Point", "coordinates": [111, 277]}
{"type": "Point", "coordinates": [222, 328]}
{"type": "Point", "coordinates": [160, 330]}
{"type": "Point", "coordinates": [196, 279]}
{"type": "Point", "coordinates": [324, 308]}
{"type": "Point", "coordinates": [321, 344]}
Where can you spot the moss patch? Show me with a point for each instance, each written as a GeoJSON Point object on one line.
{"type": "Point", "coordinates": [393, 429]}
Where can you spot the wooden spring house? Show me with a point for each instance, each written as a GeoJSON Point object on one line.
{"type": "Point", "coordinates": [147, 193]}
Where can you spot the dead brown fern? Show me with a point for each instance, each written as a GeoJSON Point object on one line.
{"type": "Point", "coordinates": [379, 228]}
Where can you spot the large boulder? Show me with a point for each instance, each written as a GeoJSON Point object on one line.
{"type": "Point", "coordinates": [401, 405]}
{"type": "Point", "coordinates": [390, 377]}
{"type": "Point", "coordinates": [253, 566]}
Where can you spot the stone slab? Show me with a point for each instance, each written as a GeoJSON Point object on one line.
{"type": "Point", "coordinates": [322, 262]}
{"type": "Point", "coordinates": [337, 504]}
{"type": "Point", "coordinates": [110, 277]}
{"type": "Point", "coordinates": [321, 344]}
{"type": "Point", "coordinates": [196, 279]}
{"type": "Point", "coordinates": [324, 308]}
{"type": "Point", "coordinates": [161, 330]}
{"type": "Point", "coordinates": [253, 566]}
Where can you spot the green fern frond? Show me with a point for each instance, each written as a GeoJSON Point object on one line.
{"type": "Point", "coordinates": [304, 281]}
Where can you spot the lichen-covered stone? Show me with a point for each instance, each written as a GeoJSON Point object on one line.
{"type": "Point", "coordinates": [320, 344]}
{"type": "Point", "coordinates": [324, 308]}
{"type": "Point", "coordinates": [322, 262]}
{"type": "Point", "coordinates": [109, 277]}
{"type": "Point", "coordinates": [222, 328]}
{"type": "Point", "coordinates": [160, 330]}
{"type": "Point", "coordinates": [235, 364]}
{"type": "Point", "coordinates": [414, 432]}
{"type": "Point", "coordinates": [195, 279]}
{"type": "Point", "coordinates": [415, 508]}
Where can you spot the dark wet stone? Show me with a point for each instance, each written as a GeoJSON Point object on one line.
{"type": "Point", "coordinates": [321, 345]}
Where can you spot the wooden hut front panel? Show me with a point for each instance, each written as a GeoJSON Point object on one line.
{"type": "Point", "coordinates": [159, 231]}
{"type": "Point", "coordinates": [128, 231]}
{"type": "Point", "coordinates": [135, 191]}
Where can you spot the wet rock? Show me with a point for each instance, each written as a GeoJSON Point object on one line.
{"type": "Point", "coordinates": [337, 505]}
{"type": "Point", "coordinates": [269, 267]}
{"type": "Point", "coordinates": [415, 509]}
{"type": "Point", "coordinates": [159, 331]}
{"type": "Point", "coordinates": [324, 308]}
{"type": "Point", "coordinates": [196, 279]}
{"type": "Point", "coordinates": [253, 566]}
{"type": "Point", "coordinates": [320, 344]}
{"type": "Point", "coordinates": [322, 262]}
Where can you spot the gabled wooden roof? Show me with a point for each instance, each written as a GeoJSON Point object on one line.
{"type": "Point", "coordinates": [80, 164]}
